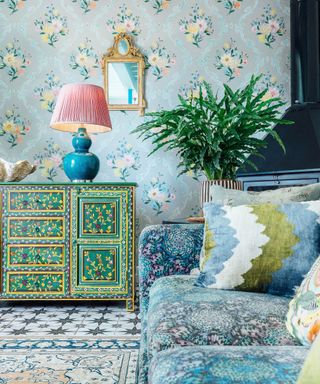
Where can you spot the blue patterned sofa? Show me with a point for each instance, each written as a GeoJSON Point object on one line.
{"type": "Point", "coordinates": [196, 335]}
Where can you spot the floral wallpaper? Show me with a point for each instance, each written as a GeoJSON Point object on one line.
{"type": "Point", "coordinates": [45, 44]}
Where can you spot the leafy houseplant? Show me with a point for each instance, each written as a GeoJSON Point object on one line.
{"type": "Point", "coordinates": [215, 136]}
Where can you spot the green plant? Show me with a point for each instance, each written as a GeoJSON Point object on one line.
{"type": "Point", "coordinates": [215, 136]}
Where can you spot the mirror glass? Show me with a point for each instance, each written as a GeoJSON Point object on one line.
{"type": "Point", "coordinates": [123, 47]}
{"type": "Point", "coordinates": [123, 83]}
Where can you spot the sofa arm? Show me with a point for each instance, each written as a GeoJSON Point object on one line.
{"type": "Point", "coordinates": [166, 250]}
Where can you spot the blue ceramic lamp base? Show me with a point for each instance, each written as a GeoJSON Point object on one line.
{"type": "Point", "coordinates": [81, 165]}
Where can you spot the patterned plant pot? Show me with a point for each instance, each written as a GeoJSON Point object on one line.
{"type": "Point", "coordinates": [226, 183]}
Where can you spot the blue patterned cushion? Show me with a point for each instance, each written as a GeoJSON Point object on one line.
{"type": "Point", "coordinates": [227, 365]}
{"type": "Point", "coordinates": [261, 248]}
{"type": "Point", "coordinates": [182, 314]}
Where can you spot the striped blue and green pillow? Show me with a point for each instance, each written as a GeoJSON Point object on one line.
{"type": "Point", "coordinates": [261, 248]}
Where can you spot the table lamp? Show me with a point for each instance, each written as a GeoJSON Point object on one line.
{"type": "Point", "coordinates": [81, 108]}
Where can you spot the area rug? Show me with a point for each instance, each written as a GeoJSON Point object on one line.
{"type": "Point", "coordinates": [61, 360]}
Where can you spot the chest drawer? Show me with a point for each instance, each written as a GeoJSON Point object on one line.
{"type": "Point", "coordinates": [35, 200]}
{"type": "Point", "coordinates": [28, 228]}
{"type": "Point", "coordinates": [19, 255]}
{"type": "Point", "coordinates": [35, 282]}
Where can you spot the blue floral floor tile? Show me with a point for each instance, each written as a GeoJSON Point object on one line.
{"type": "Point", "coordinates": [80, 320]}
{"type": "Point", "coordinates": [75, 344]}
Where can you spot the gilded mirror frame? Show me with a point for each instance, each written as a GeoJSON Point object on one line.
{"type": "Point", "coordinates": [133, 55]}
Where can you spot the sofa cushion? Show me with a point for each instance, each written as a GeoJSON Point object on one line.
{"type": "Point", "coordinates": [183, 314]}
{"type": "Point", "coordinates": [247, 365]}
{"type": "Point", "coordinates": [259, 248]}
{"type": "Point", "coordinates": [224, 196]}
{"type": "Point", "coordinates": [303, 319]}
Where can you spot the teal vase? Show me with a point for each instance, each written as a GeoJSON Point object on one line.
{"type": "Point", "coordinates": [81, 165]}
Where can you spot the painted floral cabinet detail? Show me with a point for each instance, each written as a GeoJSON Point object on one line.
{"type": "Point", "coordinates": [68, 241]}
{"type": "Point", "coordinates": [37, 200]}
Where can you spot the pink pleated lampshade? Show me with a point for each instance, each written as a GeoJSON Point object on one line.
{"type": "Point", "coordinates": [81, 106]}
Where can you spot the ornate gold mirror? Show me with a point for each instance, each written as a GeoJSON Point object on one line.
{"type": "Point", "coordinates": [123, 71]}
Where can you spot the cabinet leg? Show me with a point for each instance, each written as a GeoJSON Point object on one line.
{"type": "Point", "coordinates": [130, 305]}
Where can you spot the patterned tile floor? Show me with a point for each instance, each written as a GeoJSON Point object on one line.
{"type": "Point", "coordinates": [67, 319]}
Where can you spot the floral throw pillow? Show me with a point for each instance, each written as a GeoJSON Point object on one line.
{"type": "Point", "coordinates": [260, 248]}
{"type": "Point", "coordinates": [303, 318]}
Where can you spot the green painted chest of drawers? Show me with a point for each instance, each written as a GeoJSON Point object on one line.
{"type": "Point", "coordinates": [67, 242]}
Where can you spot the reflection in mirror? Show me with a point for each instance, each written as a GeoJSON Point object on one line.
{"type": "Point", "coordinates": [123, 82]}
{"type": "Point", "coordinates": [123, 47]}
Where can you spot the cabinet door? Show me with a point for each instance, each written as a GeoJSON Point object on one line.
{"type": "Point", "coordinates": [99, 218]}
{"type": "Point", "coordinates": [99, 266]}
{"type": "Point", "coordinates": [102, 243]}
